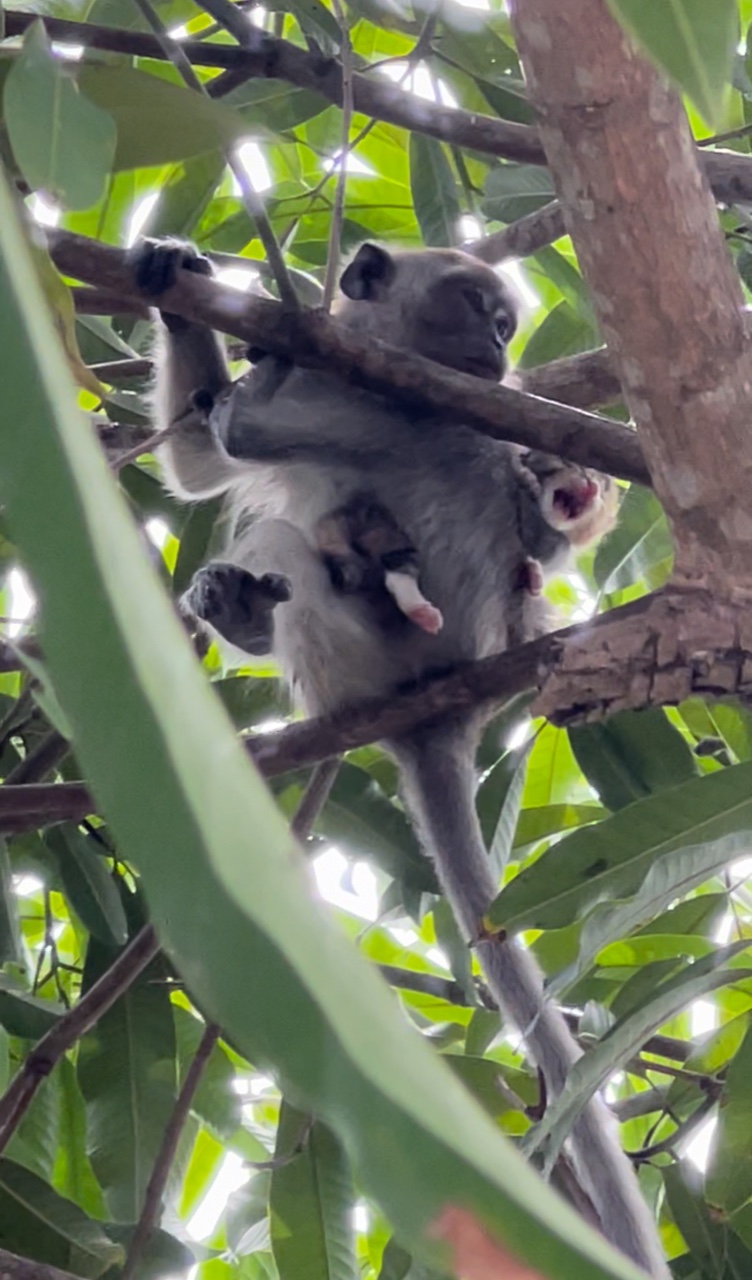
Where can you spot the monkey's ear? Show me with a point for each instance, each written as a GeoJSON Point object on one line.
{"type": "Point", "coordinates": [371, 269]}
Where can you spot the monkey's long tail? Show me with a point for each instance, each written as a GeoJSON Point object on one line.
{"type": "Point", "coordinates": [438, 780]}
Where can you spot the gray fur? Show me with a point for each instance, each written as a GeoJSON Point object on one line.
{"type": "Point", "coordinates": [290, 445]}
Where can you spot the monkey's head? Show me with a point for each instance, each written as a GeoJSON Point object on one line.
{"type": "Point", "coordinates": [440, 303]}
{"type": "Point", "coordinates": [577, 501]}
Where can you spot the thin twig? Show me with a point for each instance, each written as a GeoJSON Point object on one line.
{"type": "Point", "coordinates": [154, 1195]}
{"type": "Point", "coordinates": [71, 1027]}
{"type": "Point", "coordinates": [679, 1135]}
{"type": "Point", "coordinates": [335, 226]}
{"type": "Point", "coordinates": [253, 203]}
{"type": "Point", "coordinates": [314, 797]}
{"type": "Point", "coordinates": [45, 756]}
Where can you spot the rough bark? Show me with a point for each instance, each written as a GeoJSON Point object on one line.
{"type": "Point", "coordinates": [667, 296]}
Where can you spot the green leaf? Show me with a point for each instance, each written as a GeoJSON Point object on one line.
{"type": "Point", "coordinates": [310, 1204]}
{"type": "Point", "coordinates": [63, 143]}
{"type": "Point", "coordinates": [632, 755]}
{"type": "Point", "coordinates": [514, 190]}
{"type": "Point", "coordinates": [38, 1223]}
{"type": "Point", "coordinates": [563, 333]}
{"type": "Point", "coordinates": [24, 1015]}
{"type": "Point", "coordinates": [126, 1070]}
{"type": "Point", "coordinates": [37, 1138]}
{"type": "Point", "coordinates": [359, 815]}
{"type": "Point", "coordinates": [73, 1175]}
{"type": "Point", "coordinates": [669, 878]}
{"type": "Point", "coordinates": [10, 937]}
{"type": "Point", "coordinates": [729, 1179]}
{"type": "Point", "coordinates": [692, 41]}
{"type": "Point", "coordinates": [88, 884]}
{"type": "Point", "coordinates": [157, 122]}
{"type": "Point", "coordinates": [434, 189]}
{"type": "Point", "coordinates": [640, 541]}
{"type": "Point", "coordinates": [625, 1038]}
{"type": "Point", "coordinates": [612, 859]}
{"type": "Point", "coordinates": [228, 893]}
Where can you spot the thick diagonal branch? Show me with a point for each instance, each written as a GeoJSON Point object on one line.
{"type": "Point", "coordinates": [312, 338]}
{"type": "Point", "coordinates": [655, 651]}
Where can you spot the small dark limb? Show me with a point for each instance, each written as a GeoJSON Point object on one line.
{"type": "Point", "coordinates": [315, 797]}
{"type": "Point", "coordinates": [154, 1196]}
{"type": "Point", "coordinates": [521, 238]}
{"type": "Point", "coordinates": [90, 1008]}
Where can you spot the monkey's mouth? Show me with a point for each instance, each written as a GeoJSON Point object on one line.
{"type": "Point", "coordinates": [491, 369]}
{"type": "Point", "coordinates": [575, 501]}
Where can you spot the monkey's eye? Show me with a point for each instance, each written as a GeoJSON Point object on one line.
{"type": "Point", "coordinates": [504, 326]}
{"type": "Point", "coordinates": [476, 298]}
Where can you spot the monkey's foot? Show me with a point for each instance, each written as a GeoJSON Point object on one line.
{"type": "Point", "coordinates": [427, 617]}
{"type": "Point", "coordinates": [156, 265]}
{"type": "Point", "coordinates": [412, 602]}
{"type": "Point", "coordinates": [237, 604]}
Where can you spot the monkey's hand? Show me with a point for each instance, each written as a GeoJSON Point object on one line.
{"type": "Point", "coordinates": [157, 263]}
{"type": "Point", "coordinates": [236, 603]}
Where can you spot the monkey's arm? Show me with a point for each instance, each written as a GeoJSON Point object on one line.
{"type": "Point", "coordinates": [191, 371]}
{"type": "Point", "coordinates": [279, 413]}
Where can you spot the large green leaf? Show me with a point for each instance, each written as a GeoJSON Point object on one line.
{"type": "Point", "coordinates": [632, 755]}
{"type": "Point", "coordinates": [513, 190]}
{"type": "Point", "coordinates": [434, 189]}
{"type": "Point", "coordinates": [668, 879]}
{"type": "Point", "coordinates": [611, 860]}
{"type": "Point", "coordinates": [157, 122]}
{"type": "Point", "coordinates": [693, 40]}
{"type": "Point", "coordinates": [38, 1223]}
{"type": "Point", "coordinates": [729, 1183]}
{"type": "Point", "coordinates": [228, 892]}
{"type": "Point", "coordinates": [88, 884]}
{"type": "Point", "coordinates": [640, 541]}
{"type": "Point", "coordinates": [10, 939]}
{"type": "Point", "coordinates": [25, 1015]}
{"type": "Point", "coordinates": [63, 143]}
{"type": "Point", "coordinates": [127, 1074]}
{"type": "Point", "coordinates": [73, 1175]}
{"type": "Point", "coordinates": [310, 1204]}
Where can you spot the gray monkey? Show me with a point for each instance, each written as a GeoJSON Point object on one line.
{"type": "Point", "coordinates": [289, 445]}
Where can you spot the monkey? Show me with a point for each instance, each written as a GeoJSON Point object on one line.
{"type": "Point", "coordinates": [579, 506]}
{"type": "Point", "coordinates": [289, 444]}
{"type": "Point", "coordinates": [366, 550]}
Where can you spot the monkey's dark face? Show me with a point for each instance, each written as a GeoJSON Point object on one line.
{"type": "Point", "coordinates": [465, 320]}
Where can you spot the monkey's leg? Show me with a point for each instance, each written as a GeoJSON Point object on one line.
{"type": "Point", "coordinates": [411, 601]}
{"type": "Point", "coordinates": [191, 370]}
{"type": "Point", "coordinates": [236, 604]}
{"type": "Point", "coordinates": [324, 640]}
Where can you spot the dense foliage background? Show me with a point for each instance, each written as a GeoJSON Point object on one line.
{"type": "Point", "coordinates": [633, 834]}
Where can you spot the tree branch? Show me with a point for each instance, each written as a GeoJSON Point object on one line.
{"type": "Point", "coordinates": [583, 380]}
{"type": "Point", "coordinates": [655, 651]}
{"type": "Point", "coordinates": [90, 1008]}
{"type": "Point", "coordinates": [729, 172]}
{"type": "Point", "coordinates": [668, 297]}
{"type": "Point", "coordinates": [525, 236]}
{"type": "Point", "coordinates": [154, 1194]}
{"type": "Point", "coordinates": [312, 338]}
{"type": "Point", "coordinates": [14, 1268]}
